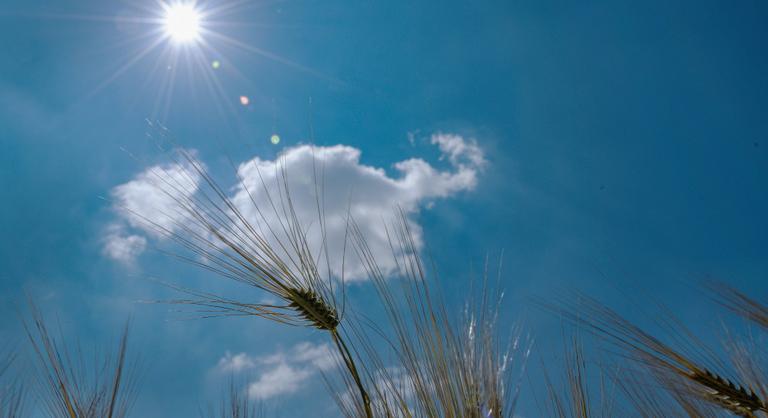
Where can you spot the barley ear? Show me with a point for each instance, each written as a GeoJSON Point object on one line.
{"type": "Point", "coordinates": [737, 399]}
{"type": "Point", "coordinates": [311, 307]}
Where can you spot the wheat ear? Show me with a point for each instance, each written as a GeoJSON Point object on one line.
{"type": "Point", "coordinates": [737, 399]}
{"type": "Point", "coordinates": [311, 307]}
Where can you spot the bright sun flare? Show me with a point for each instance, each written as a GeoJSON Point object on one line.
{"type": "Point", "coordinates": [182, 22]}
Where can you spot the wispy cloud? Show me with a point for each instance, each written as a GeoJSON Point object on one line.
{"type": "Point", "coordinates": [282, 379]}
{"type": "Point", "coordinates": [21, 111]}
{"type": "Point", "coordinates": [460, 151]}
{"type": "Point", "coordinates": [122, 246]}
{"type": "Point", "coordinates": [235, 363]}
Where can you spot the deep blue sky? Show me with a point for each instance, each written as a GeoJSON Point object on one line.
{"type": "Point", "coordinates": [627, 146]}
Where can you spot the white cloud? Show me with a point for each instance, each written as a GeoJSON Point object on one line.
{"type": "Point", "coordinates": [283, 372]}
{"type": "Point", "coordinates": [369, 193]}
{"type": "Point", "coordinates": [319, 355]}
{"type": "Point", "coordinates": [153, 196]}
{"type": "Point", "coordinates": [460, 151]}
{"type": "Point", "coordinates": [235, 363]}
{"type": "Point", "coordinates": [279, 380]}
{"type": "Point", "coordinates": [122, 247]}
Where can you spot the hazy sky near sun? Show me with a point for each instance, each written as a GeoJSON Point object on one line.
{"type": "Point", "coordinates": [609, 146]}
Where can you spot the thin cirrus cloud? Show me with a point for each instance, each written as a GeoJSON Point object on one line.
{"type": "Point", "coordinates": [281, 373]}
{"type": "Point", "coordinates": [346, 185]}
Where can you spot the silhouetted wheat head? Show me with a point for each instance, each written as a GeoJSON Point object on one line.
{"type": "Point", "coordinates": [691, 375]}
{"type": "Point", "coordinates": [272, 255]}
{"type": "Point", "coordinates": [443, 366]}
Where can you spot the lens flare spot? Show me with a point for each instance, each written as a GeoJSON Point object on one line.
{"type": "Point", "coordinates": [244, 100]}
{"type": "Point", "coordinates": [216, 64]}
{"type": "Point", "coordinates": [274, 139]}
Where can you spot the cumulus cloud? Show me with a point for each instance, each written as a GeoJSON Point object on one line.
{"type": "Point", "coordinates": [336, 173]}
{"type": "Point", "coordinates": [149, 202]}
{"type": "Point", "coordinates": [281, 373]}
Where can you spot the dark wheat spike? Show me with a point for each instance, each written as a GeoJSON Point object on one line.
{"type": "Point", "coordinates": [737, 399]}
{"type": "Point", "coordinates": [313, 308]}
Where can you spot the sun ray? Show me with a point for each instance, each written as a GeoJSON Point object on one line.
{"type": "Point", "coordinates": [211, 80]}
{"type": "Point", "coordinates": [213, 85]}
{"type": "Point", "coordinates": [224, 8]}
{"type": "Point", "coordinates": [84, 18]}
{"type": "Point", "coordinates": [274, 57]}
{"type": "Point", "coordinates": [153, 73]}
{"type": "Point", "coordinates": [126, 66]}
{"type": "Point", "coordinates": [167, 84]}
{"type": "Point", "coordinates": [185, 43]}
{"type": "Point", "coordinates": [121, 44]}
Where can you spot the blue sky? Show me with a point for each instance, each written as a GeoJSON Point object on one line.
{"type": "Point", "coordinates": [626, 150]}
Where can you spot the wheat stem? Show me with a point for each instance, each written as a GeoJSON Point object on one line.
{"type": "Point", "coordinates": [350, 363]}
{"type": "Point", "coordinates": [313, 308]}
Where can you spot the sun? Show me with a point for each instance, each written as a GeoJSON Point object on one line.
{"type": "Point", "coordinates": [182, 22]}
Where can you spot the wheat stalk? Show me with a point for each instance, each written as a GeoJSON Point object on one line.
{"type": "Point", "coordinates": [739, 303]}
{"type": "Point", "coordinates": [236, 404]}
{"type": "Point", "coordinates": [273, 258]}
{"type": "Point", "coordinates": [72, 389]}
{"type": "Point", "coordinates": [443, 367]}
{"type": "Point", "coordinates": [11, 392]}
{"type": "Point", "coordinates": [682, 375]}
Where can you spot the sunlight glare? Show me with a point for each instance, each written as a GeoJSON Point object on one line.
{"type": "Point", "coordinates": [182, 22]}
